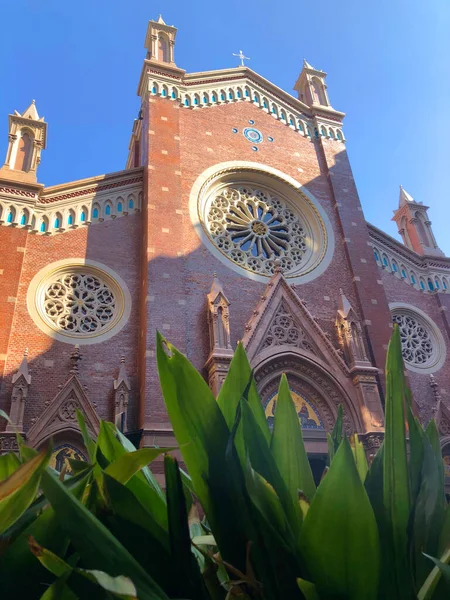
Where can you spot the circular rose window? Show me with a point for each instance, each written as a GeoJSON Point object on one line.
{"type": "Point", "coordinates": [423, 346]}
{"type": "Point", "coordinates": [78, 300]}
{"type": "Point", "coordinates": [254, 219]}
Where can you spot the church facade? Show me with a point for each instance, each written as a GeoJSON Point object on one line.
{"type": "Point", "coordinates": [236, 218]}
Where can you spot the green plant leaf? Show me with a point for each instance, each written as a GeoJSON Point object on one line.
{"type": "Point", "coordinates": [98, 548]}
{"type": "Point", "coordinates": [359, 454]}
{"type": "Point", "coordinates": [396, 493]}
{"type": "Point", "coordinates": [59, 590]}
{"type": "Point", "coordinates": [427, 591]}
{"type": "Point", "coordinates": [339, 540]}
{"type": "Point", "coordinates": [185, 567]}
{"type": "Point", "coordinates": [308, 589]}
{"type": "Point", "coordinates": [18, 491]}
{"type": "Point", "coordinates": [89, 443]}
{"type": "Point", "coordinates": [288, 448]}
{"type": "Point", "coordinates": [335, 438]}
{"type": "Point", "coordinates": [8, 464]}
{"type": "Point", "coordinates": [232, 391]}
{"type": "Point", "coordinates": [124, 467]}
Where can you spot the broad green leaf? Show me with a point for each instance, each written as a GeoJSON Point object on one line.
{"type": "Point", "coordinates": [334, 440]}
{"type": "Point", "coordinates": [98, 548]}
{"type": "Point", "coordinates": [148, 495]}
{"type": "Point", "coordinates": [18, 491]}
{"type": "Point", "coordinates": [204, 540]}
{"type": "Point", "coordinates": [359, 454]}
{"type": "Point", "coordinates": [308, 589]}
{"type": "Point", "coordinates": [263, 462]}
{"type": "Point", "coordinates": [123, 502]}
{"type": "Point", "coordinates": [232, 391]}
{"type": "Point", "coordinates": [89, 443]}
{"type": "Point", "coordinates": [129, 447]}
{"type": "Point", "coordinates": [444, 538]}
{"type": "Point", "coordinates": [416, 435]}
{"type": "Point", "coordinates": [396, 494]}
{"type": "Point", "coordinates": [374, 488]}
{"type": "Point", "coordinates": [428, 589]}
{"type": "Point", "coordinates": [8, 464]}
{"type": "Point", "coordinates": [197, 421]}
{"type": "Point", "coordinates": [124, 467]}
{"type": "Point", "coordinates": [59, 590]}
{"type": "Point", "coordinates": [121, 587]}
{"type": "Point", "coordinates": [185, 567]}
{"type": "Point", "coordinates": [339, 539]}
{"type": "Point", "coordinates": [288, 448]}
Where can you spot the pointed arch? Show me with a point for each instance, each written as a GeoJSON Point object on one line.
{"type": "Point", "coordinates": [10, 215]}
{"type": "Point", "coordinates": [163, 47]}
{"type": "Point", "coordinates": [24, 150]}
{"type": "Point", "coordinates": [71, 218]}
{"type": "Point", "coordinates": [43, 225]}
{"type": "Point", "coordinates": [108, 209]}
{"type": "Point", "coordinates": [24, 217]}
{"type": "Point", "coordinates": [96, 211]}
{"type": "Point", "coordinates": [57, 220]}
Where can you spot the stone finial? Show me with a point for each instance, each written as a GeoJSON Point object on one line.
{"type": "Point", "coordinates": [21, 383]}
{"type": "Point", "coordinates": [122, 377]}
{"type": "Point", "coordinates": [23, 370]}
{"type": "Point", "coordinates": [434, 387]}
{"type": "Point", "coordinates": [277, 267]}
{"type": "Point", "coordinates": [75, 358]}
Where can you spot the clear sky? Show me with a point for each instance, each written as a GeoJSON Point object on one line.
{"type": "Point", "coordinates": [387, 63]}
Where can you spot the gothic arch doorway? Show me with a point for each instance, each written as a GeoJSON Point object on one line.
{"type": "Point", "coordinates": [316, 392]}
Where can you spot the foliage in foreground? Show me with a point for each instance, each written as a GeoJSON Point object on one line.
{"type": "Point", "coordinates": [109, 530]}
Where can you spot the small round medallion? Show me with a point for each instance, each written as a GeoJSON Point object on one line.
{"type": "Point", "coordinates": [253, 135]}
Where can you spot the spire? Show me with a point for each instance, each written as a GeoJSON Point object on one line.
{"type": "Point", "coordinates": [27, 137]}
{"type": "Point", "coordinates": [216, 289]}
{"type": "Point", "coordinates": [160, 42]}
{"type": "Point", "coordinates": [122, 377]}
{"type": "Point", "coordinates": [23, 369]}
{"type": "Point", "coordinates": [344, 305]}
{"type": "Point", "coordinates": [311, 86]}
{"type": "Point", "coordinates": [30, 112]}
{"type": "Point", "coordinates": [306, 65]}
{"type": "Point", "coordinates": [404, 197]}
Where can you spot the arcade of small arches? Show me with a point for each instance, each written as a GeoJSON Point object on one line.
{"type": "Point", "coordinates": [433, 282]}
{"type": "Point", "coordinates": [245, 93]}
{"type": "Point", "coordinates": [58, 220]}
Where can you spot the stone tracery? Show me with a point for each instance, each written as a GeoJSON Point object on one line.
{"type": "Point", "coordinates": [253, 228]}
{"type": "Point", "coordinates": [417, 346]}
{"type": "Point", "coordinates": [79, 303]}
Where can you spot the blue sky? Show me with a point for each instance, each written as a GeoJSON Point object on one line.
{"type": "Point", "coordinates": [387, 64]}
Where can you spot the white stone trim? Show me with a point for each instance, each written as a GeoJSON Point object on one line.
{"type": "Point", "coordinates": [439, 350]}
{"type": "Point", "coordinates": [120, 288]}
{"type": "Point", "coordinates": [271, 177]}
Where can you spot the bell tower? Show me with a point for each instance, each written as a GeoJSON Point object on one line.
{"type": "Point", "coordinates": [311, 86]}
{"type": "Point", "coordinates": [27, 138]}
{"type": "Point", "coordinates": [414, 226]}
{"type": "Point", "coordinates": [160, 42]}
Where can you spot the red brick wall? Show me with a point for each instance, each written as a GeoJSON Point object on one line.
{"type": "Point", "coordinates": [398, 291]}
{"type": "Point", "coordinates": [12, 245]}
{"type": "Point", "coordinates": [178, 299]}
{"type": "Point", "coordinates": [114, 243]}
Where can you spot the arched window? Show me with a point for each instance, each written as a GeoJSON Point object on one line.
{"type": "Point", "coordinates": [444, 284]}
{"type": "Point", "coordinates": [422, 284]}
{"type": "Point", "coordinates": [154, 89]}
{"type": "Point", "coordinates": [196, 100]}
{"type": "Point", "coordinates": [323, 133]}
{"type": "Point", "coordinates": [164, 92]}
{"type": "Point", "coordinates": [385, 261]}
{"type": "Point", "coordinates": [394, 266]}
{"type": "Point", "coordinates": [205, 99]}
{"type": "Point", "coordinates": [421, 230]}
{"type": "Point", "coordinates": [57, 222]}
{"type": "Point", "coordinates": [377, 258]}
{"type": "Point", "coordinates": [339, 135]}
{"type": "Point", "coordinates": [436, 283]}
{"type": "Point", "coordinates": [238, 94]}
{"type": "Point", "coordinates": [300, 126]}
{"type": "Point", "coordinates": [43, 226]}
{"type": "Point", "coordinates": [331, 134]}
{"type": "Point", "coordinates": [187, 101]}
{"type": "Point", "coordinates": [247, 93]}
{"type": "Point", "coordinates": [317, 91]}
{"type": "Point", "coordinates": [213, 98]}
{"type": "Point", "coordinates": [265, 104]}
{"type": "Point", "coordinates": [83, 216]}
{"type": "Point", "coordinates": [119, 207]}
{"type": "Point", "coordinates": [173, 94]}
{"type": "Point", "coordinates": [404, 274]}
{"type": "Point", "coordinates": [130, 203]}
{"type": "Point", "coordinates": [10, 215]}
{"type": "Point", "coordinates": [71, 218]}
{"type": "Point", "coordinates": [108, 210]}
{"type": "Point", "coordinates": [430, 285]}
{"type": "Point", "coordinates": [24, 151]}
{"type": "Point", "coordinates": [230, 95]}
{"type": "Point", "coordinates": [163, 48]}
{"type": "Point", "coordinates": [23, 218]}
{"type": "Point", "coordinates": [95, 212]}
{"type": "Point", "coordinates": [413, 279]}
{"type": "Point", "coordinates": [222, 96]}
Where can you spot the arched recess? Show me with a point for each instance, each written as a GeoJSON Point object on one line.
{"type": "Point", "coordinates": [310, 377]}
{"type": "Point", "coordinates": [24, 150]}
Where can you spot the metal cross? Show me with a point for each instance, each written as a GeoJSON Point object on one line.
{"type": "Point", "coordinates": [241, 57]}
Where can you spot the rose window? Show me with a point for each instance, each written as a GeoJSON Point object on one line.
{"type": "Point", "coordinates": [79, 303]}
{"type": "Point", "coordinates": [254, 228]}
{"type": "Point", "coordinates": [417, 345]}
